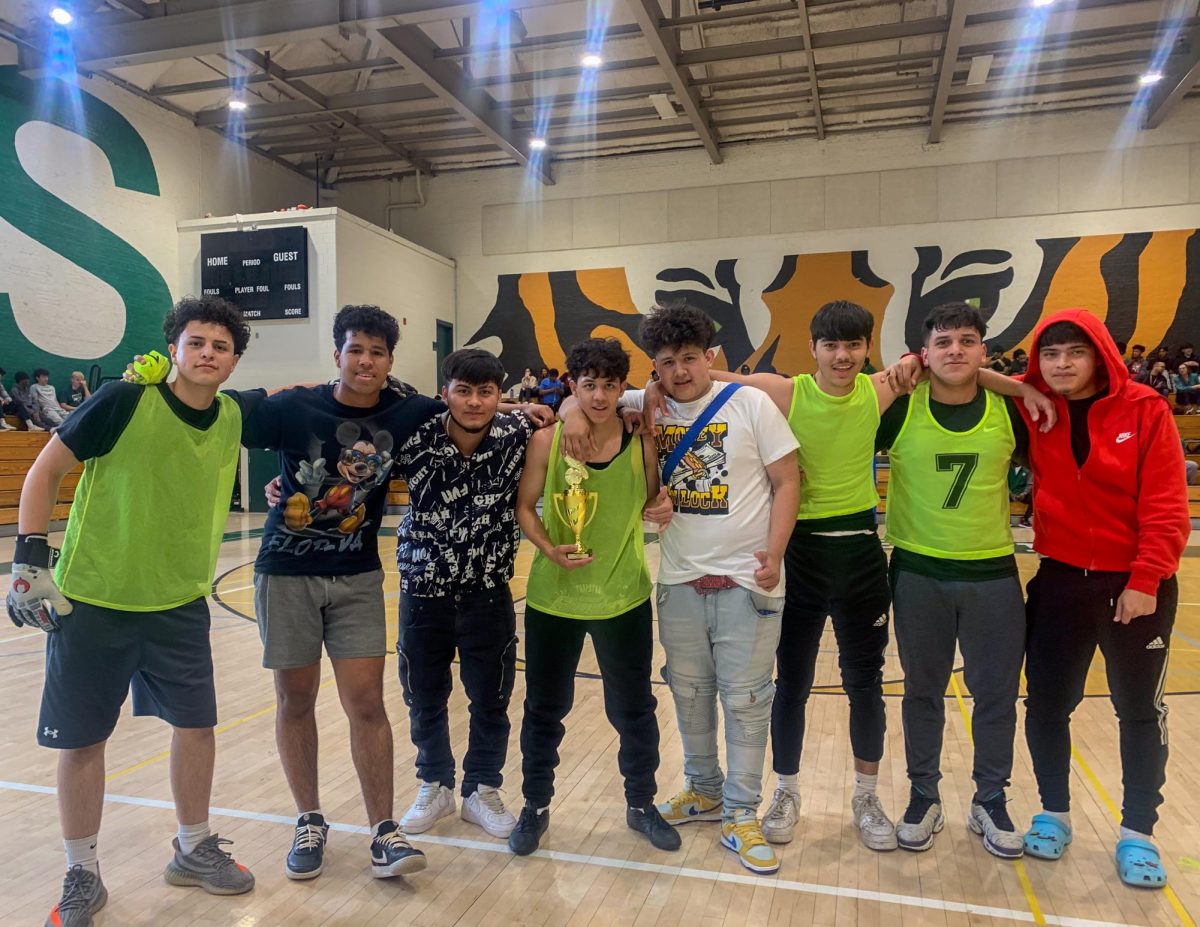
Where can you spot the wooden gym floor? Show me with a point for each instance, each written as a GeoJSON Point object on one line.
{"type": "Point", "coordinates": [591, 870]}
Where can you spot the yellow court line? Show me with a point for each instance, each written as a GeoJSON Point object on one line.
{"type": "Point", "coordinates": [1180, 910]}
{"type": "Point", "coordinates": [228, 726]}
{"type": "Point", "coordinates": [1022, 876]}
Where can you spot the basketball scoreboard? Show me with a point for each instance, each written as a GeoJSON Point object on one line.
{"type": "Point", "coordinates": [263, 272]}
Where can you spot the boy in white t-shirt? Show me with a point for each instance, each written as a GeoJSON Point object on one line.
{"type": "Point", "coordinates": [720, 583]}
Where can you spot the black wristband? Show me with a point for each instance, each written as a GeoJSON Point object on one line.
{"type": "Point", "coordinates": [34, 550]}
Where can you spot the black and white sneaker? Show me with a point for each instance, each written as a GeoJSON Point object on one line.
{"type": "Point", "coordinates": [527, 835]}
{"type": "Point", "coordinates": [990, 820]}
{"type": "Point", "coordinates": [922, 820]}
{"type": "Point", "coordinates": [392, 854]}
{"type": "Point", "coordinates": [307, 856]}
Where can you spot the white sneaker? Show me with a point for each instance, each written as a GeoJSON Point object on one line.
{"type": "Point", "coordinates": [4, 426]}
{"type": "Point", "coordinates": [485, 808]}
{"type": "Point", "coordinates": [874, 826]}
{"type": "Point", "coordinates": [33, 427]}
{"type": "Point", "coordinates": [779, 824]}
{"type": "Point", "coordinates": [434, 801]}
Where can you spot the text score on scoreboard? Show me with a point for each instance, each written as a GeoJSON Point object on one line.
{"type": "Point", "coordinates": [263, 272]}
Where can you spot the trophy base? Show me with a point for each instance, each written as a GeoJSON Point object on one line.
{"type": "Point", "coordinates": [579, 554]}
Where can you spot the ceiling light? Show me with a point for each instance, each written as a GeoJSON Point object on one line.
{"type": "Point", "coordinates": [981, 66]}
{"type": "Point", "coordinates": [238, 105]}
{"type": "Point", "coordinates": [62, 16]}
{"type": "Point", "coordinates": [663, 106]}
{"type": "Point", "coordinates": [591, 60]}
{"type": "Point", "coordinates": [1150, 78]}
{"type": "Point", "coordinates": [1040, 4]}
{"type": "Point", "coordinates": [537, 144]}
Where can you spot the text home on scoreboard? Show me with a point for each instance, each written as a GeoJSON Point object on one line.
{"type": "Point", "coordinates": [264, 273]}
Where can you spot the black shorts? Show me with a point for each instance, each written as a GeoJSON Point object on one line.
{"type": "Point", "coordinates": [99, 654]}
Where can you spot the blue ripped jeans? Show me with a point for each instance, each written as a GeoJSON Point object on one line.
{"type": "Point", "coordinates": [722, 643]}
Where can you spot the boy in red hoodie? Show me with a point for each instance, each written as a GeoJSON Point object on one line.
{"type": "Point", "coordinates": [1119, 465]}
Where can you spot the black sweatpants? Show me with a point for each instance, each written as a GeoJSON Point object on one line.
{"type": "Point", "coordinates": [845, 577]}
{"type": "Point", "coordinates": [624, 647]}
{"type": "Point", "coordinates": [1070, 613]}
{"type": "Point", "coordinates": [481, 626]}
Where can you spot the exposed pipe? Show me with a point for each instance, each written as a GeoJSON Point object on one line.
{"type": "Point", "coordinates": [411, 204]}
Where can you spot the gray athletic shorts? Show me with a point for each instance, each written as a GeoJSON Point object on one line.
{"type": "Point", "coordinates": [297, 613]}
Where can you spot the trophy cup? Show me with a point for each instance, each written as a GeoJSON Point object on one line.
{"type": "Point", "coordinates": [576, 506]}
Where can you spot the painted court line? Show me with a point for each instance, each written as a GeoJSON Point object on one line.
{"type": "Point", "coordinates": [808, 888]}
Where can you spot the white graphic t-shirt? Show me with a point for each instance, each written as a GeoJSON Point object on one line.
{"type": "Point", "coordinates": [720, 489]}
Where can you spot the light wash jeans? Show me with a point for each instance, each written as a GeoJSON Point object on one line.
{"type": "Point", "coordinates": [721, 643]}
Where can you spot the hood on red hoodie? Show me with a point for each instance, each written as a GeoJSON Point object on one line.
{"type": "Point", "coordinates": [1106, 348]}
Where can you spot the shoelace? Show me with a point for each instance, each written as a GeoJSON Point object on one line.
{"type": "Point", "coordinates": [872, 811]}
{"type": "Point", "coordinates": [77, 889]}
{"type": "Point", "coordinates": [686, 797]}
{"type": "Point", "coordinates": [917, 806]}
{"type": "Point", "coordinates": [491, 800]}
{"type": "Point", "coordinates": [783, 803]}
{"type": "Point", "coordinates": [425, 797]}
{"type": "Point", "coordinates": [308, 837]}
{"type": "Point", "coordinates": [997, 810]}
{"type": "Point", "coordinates": [749, 833]}
{"type": "Point", "coordinates": [394, 840]}
{"type": "Point", "coordinates": [209, 851]}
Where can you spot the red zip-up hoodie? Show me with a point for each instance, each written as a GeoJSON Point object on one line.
{"type": "Point", "coordinates": [1125, 509]}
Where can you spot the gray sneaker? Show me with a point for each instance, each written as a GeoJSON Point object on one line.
{"type": "Point", "coordinates": [874, 827]}
{"type": "Point", "coordinates": [779, 823]}
{"type": "Point", "coordinates": [921, 821]}
{"type": "Point", "coordinates": [990, 820]}
{"type": "Point", "coordinates": [83, 895]}
{"type": "Point", "coordinates": [210, 868]}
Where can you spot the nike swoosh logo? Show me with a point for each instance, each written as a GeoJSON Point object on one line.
{"type": "Point", "coordinates": [1122, 438]}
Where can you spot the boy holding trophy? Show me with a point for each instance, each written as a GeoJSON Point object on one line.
{"type": "Point", "coordinates": [589, 576]}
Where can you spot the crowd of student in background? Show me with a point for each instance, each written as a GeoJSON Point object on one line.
{"type": "Point", "coordinates": [35, 403]}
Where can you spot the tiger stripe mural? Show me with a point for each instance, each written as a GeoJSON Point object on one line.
{"type": "Point", "coordinates": [1145, 286]}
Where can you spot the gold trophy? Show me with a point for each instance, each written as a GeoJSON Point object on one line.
{"type": "Point", "coordinates": [576, 506]}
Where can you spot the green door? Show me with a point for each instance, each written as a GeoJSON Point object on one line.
{"type": "Point", "coordinates": [444, 346]}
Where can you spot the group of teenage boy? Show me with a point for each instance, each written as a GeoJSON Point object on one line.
{"type": "Point", "coordinates": [763, 489]}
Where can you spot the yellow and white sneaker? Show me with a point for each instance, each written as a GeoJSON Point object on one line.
{"type": "Point", "coordinates": [744, 836]}
{"type": "Point", "coordinates": [689, 805]}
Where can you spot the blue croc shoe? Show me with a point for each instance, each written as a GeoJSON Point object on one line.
{"type": "Point", "coordinates": [1139, 864]}
{"type": "Point", "coordinates": [1047, 837]}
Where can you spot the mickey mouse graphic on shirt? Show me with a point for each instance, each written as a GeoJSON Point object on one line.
{"type": "Point", "coordinates": [363, 464]}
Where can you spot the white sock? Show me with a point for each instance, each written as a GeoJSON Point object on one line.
{"type": "Point", "coordinates": [192, 835]}
{"type": "Point", "coordinates": [864, 784]}
{"type": "Point", "coordinates": [791, 783]}
{"type": "Point", "coordinates": [1127, 834]}
{"type": "Point", "coordinates": [1063, 817]}
{"type": "Point", "coordinates": [82, 852]}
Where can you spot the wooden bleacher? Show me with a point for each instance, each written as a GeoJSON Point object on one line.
{"type": "Point", "coordinates": [18, 450]}
{"type": "Point", "coordinates": [397, 494]}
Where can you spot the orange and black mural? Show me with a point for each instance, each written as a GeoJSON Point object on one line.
{"type": "Point", "coordinates": [1145, 286]}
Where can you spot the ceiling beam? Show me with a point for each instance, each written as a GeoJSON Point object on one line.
{"type": "Point", "coordinates": [335, 103]}
{"type": "Point", "coordinates": [806, 32]}
{"type": "Point", "coordinates": [666, 49]}
{"type": "Point", "coordinates": [228, 83]}
{"type": "Point", "coordinates": [322, 101]}
{"type": "Point", "coordinates": [1175, 85]}
{"type": "Point", "coordinates": [415, 52]}
{"type": "Point", "coordinates": [950, 45]}
{"type": "Point", "coordinates": [536, 41]}
{"type": "Point", "coordinates": [222, 27]}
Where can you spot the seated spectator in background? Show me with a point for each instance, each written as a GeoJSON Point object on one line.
{"type": "Point", "coordinates": [1162, 353]}
{"type": "Point", "coordinates": [79, 391]}
{"type": "Point", "coordinates": [22, 395]}
{"type": "Point", "coordinates": [10, 405]}
{"type": "Point", "coordinates": [1137, 361]}
{"type": "Point", "coordinates": [45, 400]}
{"type": "Point", "coordinates": [1186, 383]}
{"type": "Point", "coordinates": [1186, 355]}
{"type": "Point", "coordinates": [1156, 378]}
{"type": "Point", "coordinates": [1020, 363]}
{"type": "Point", "coordinates": [1020, 489]}
{"type": "Point", "coordinates": [551, 389]}
{"type": "Point", "coordinates": [997, 361]}
{"type": "Point", "coordinates": [745, 371]}
{"type": "Point", "coordinates": [529, 386]}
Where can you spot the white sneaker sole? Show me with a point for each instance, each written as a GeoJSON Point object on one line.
{"type": "Point", "coordinates": [993, 848]}
{"type": "Point", "coordinates": [406, 866]}
{"type": "Point", "coordinates": [938, 823]}
{"type": "Point", "coordinates": [302, 876]}
{"type": "Point", "coordinates": [778, 835]}
{"type": "Point", "coordinates": [492, 830]}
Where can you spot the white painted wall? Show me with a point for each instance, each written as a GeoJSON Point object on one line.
{"type": "Point", "coordinates": [1003, 184]}
{"type": "Point", "coordinates": [349, 261]}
